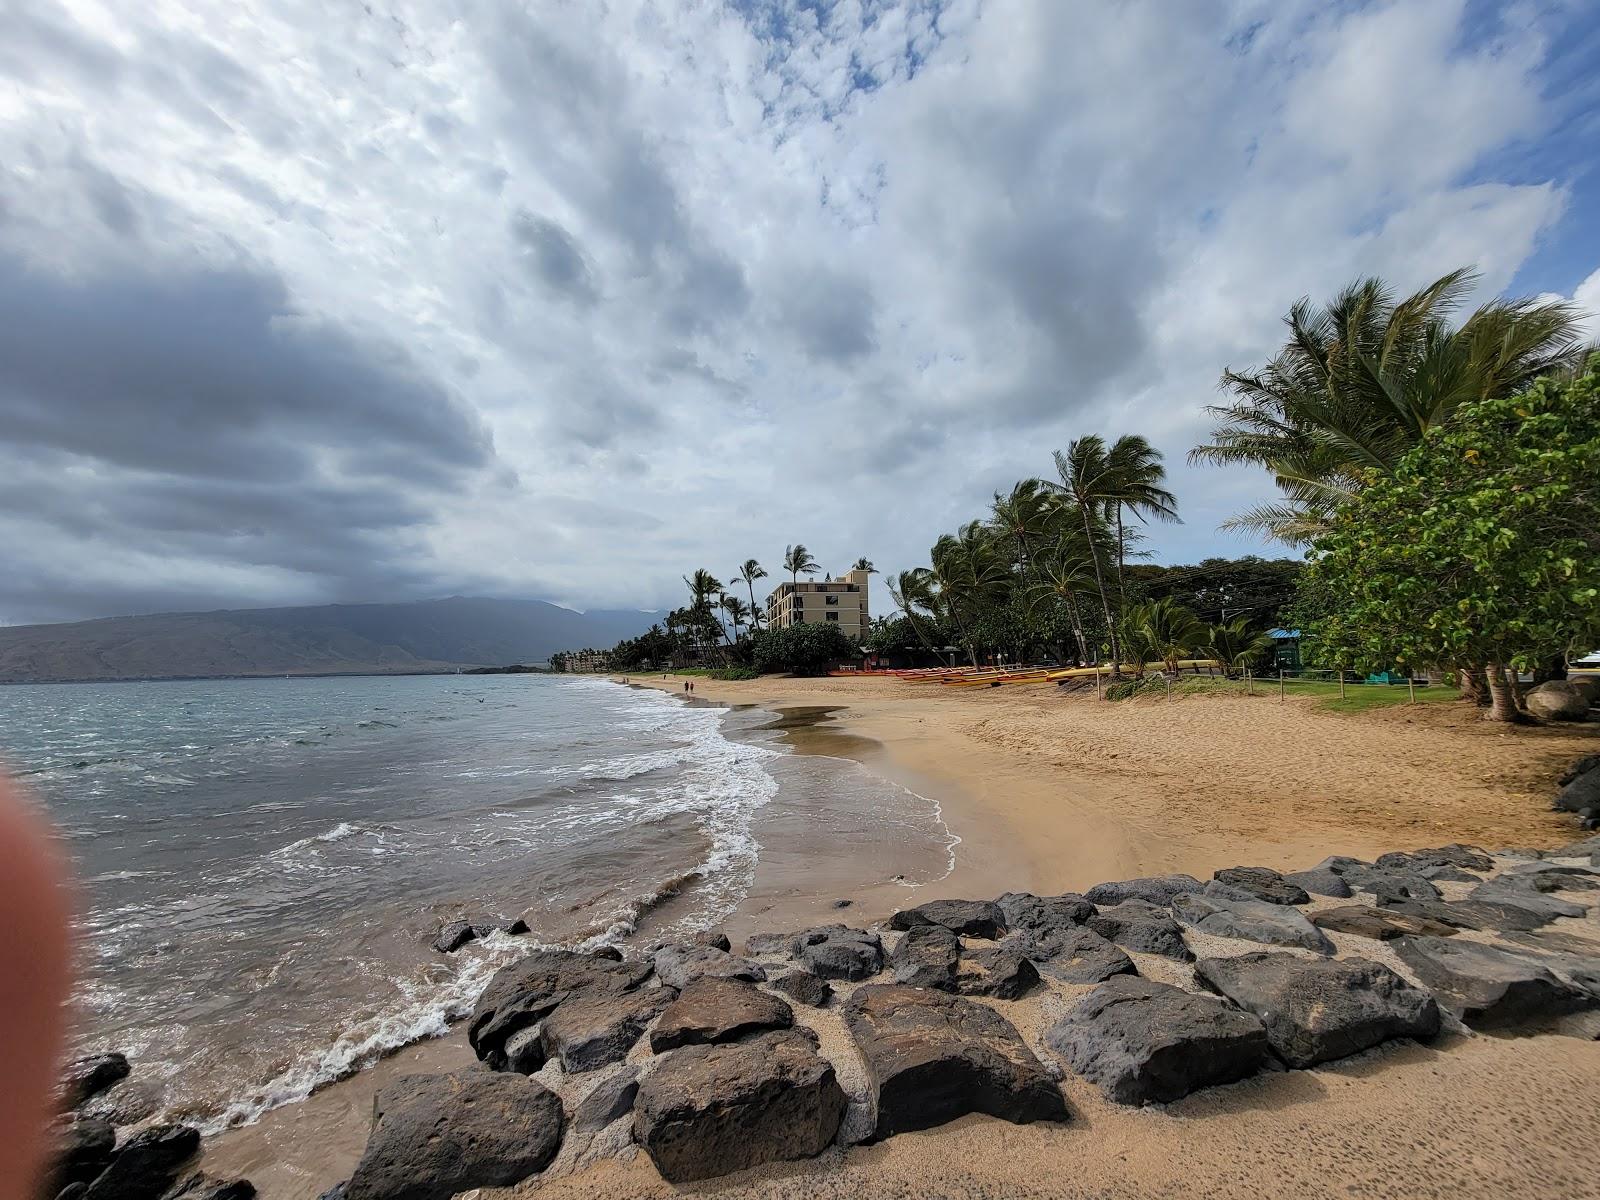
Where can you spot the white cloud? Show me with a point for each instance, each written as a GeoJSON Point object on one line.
{"type": "Point", "coordinates": [717, 277]}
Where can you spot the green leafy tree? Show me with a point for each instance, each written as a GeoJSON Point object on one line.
{"type": "Point", "coordinates": [1137, 476]}
{"type": "Point", "coordinates": [1480, 550]}
{"type": "Point", "coordinates": [809, 649]}
{"type": "Point", "coordinates": [1363, 380]}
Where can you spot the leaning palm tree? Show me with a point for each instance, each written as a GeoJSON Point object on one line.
{"type": "Point", "coordinates": [1362, 380]}
{"type": "Point", "coordinates": [1057, 581]}
{"type": "Point", "coordinates": [1023, 518]}
{"type": "Point", "coordinates": [1136, 478]}
{"type": "Point", "coordinates": [865, 564]}
{"type": "Point", "coordinates": [797, 561]}
{"type": "Point", "coordinates": [1167, 630]}
{"type": "Point", "coordinates": [912, 592]}
{"type": "Point", "coordinates": [971, 576]}
{"type": "Point", "coordinates": [1087, 484]}
{"type": "Point", "coordinates": [749, 573]}
{"type": "Point", "coordinates": [704, 587]}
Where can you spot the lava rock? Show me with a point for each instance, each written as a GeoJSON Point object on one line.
{"type": "Point", "coordinates": [201, 1186]}
{"type": "Point", "coordinates": [1471, 914]}
{"type": "Point", "coordinates": [610, 1101]}
{"type": "Point", "coordinates": [1253, 920]}
{"type": "Point", "coordinates": [1489, 988]}
{"type": "Point", "coordinates": [718, 1010]}
{"type": "Point", "coordinates": [714, 938]}
{"type": "Point", "coordinates": [147, 1164]}
{"type": "Point", "coordinates": [1454, 855]}
{"type": "Point", "coordinates": [1002, 972]}
{"type": "Point", "coordinates": [1586, 763]}
{"type": "Point", "coordinates": [1141, 1041]}
{"type": "Point", "coordinates": [1557, 700]}
{"type": "Point", "coordinates": [453, 936]}
{"type": "Point", "coordinates": [586, 1032]}
{"type": "Point", "coordinates": [1553, 877]}
{"type": "Point", "coordinates": [1523, 892]}
{"type": "Point", "coordinates": [802, 986]}
{"type": "Point", "coordinates": [1581, 795]}
{"type": "Point", "coordinates": [679, 966]}
{"type": "Point", "coordinates": [83, 1147]}
{"type": "Point", "coordinates": [708, 1110]}
{"type": "Point", "coordinates": [1381, 924]}
{"type": "Point", "coordinates": [1317, 1010]}
{"type": "Point", "coordinates": [970, 918]}
{"type": "Point", "coordinates": [1140, 925]}
{"type": "Point", "coordinates": [1153, 889]}
{"type": "Point", "coordinates": [1072, 955]}
{"type": "Point", "coordinates": [932, 1057]}
{"type": "Point", "coordinates": [1384, 884]}
{"type": "Point", "coordinates": [1262, 883]}
{"type": "Point", "coordinates": [1320, 882]}
{"type": "Point", "coordinates": [524, 993]}
{"type": "Point", "coordinates": [1025, 911]}
{"type": "Point", "coordinates": [524, 1051]}
{"type": "Point", "coordinates": [436, 1135]}
{"type": "Point", "coordinates": [86, 1077]}
{"type": "Point", "coordinates": [927, 956]}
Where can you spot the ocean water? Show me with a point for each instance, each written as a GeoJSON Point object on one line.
{"type": "Point", "coordinates": [263, 863]}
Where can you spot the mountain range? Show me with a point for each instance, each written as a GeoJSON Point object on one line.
{"type": "Point", "coordinates": [330, 639]}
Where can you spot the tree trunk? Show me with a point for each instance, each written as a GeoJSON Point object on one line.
{"type": "Point", "coordinates": [1105, 601]}
{"type": "Point", "coordinates": [1122, 553]}
{"type": "Point", "coordinates": [1474, 687]}
{"type": "Point", "coordinates": [1502, 701]}
{"type": "Point", "coordinates": [1077, 630]}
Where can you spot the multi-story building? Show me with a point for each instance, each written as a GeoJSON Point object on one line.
{"type": "Point", "coordinates": [841, 601]}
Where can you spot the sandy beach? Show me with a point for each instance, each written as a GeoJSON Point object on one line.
{"type": "Point", "coordinates": [1049, 792]}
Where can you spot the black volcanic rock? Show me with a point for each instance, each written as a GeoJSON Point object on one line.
{"type": "Point", "coordinates": [1487, 987]}
{"type": "Point", "coordinates": [971, 918]}
{"type": "Point", "coordinates": [1142, 926]}
{"type": "Point", "coordinates": [146, 1164]}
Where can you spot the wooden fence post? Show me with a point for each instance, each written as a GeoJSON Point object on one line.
{"type": "Point", "coordinates": [1283, 687]}
{"type": "Point", "coordinates": [1341, 685]}
{"type": "Point", "coordinates": [1411, 686]}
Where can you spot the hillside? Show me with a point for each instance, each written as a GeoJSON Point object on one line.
{"type": "Point", "coordinates": [429, 635]}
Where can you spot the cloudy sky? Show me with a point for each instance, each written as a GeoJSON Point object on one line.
{"type": "Point", "coordinates": [311, 300]}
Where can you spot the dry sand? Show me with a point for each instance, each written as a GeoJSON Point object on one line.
{"type": "Point", "coordinates": [1051, 792]}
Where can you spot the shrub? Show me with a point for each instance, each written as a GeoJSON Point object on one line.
{"type": "Point", "coordinates": [802, 649]}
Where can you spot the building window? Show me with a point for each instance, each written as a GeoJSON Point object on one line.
{"type": "Point", "coordinates": [833, 616]}
{"type": "Point", "coordinates": [833, 600]}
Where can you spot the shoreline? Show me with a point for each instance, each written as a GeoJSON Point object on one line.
{"type": "Point", "coordinates": [1028, 818]}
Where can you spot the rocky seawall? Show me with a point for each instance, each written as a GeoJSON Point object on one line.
{"type": "Point", "coordinates": [714, 1061]}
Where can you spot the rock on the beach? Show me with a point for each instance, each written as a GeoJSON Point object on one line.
{"type": "Point", "coordinates": [1553, 877]}
{"type": "Point", "coordinates": [718, 1010]}
{"type": "Point", "coordinates": [1025, 911]}
{"type": "Point", "coordinates": [679, 966]}
{"type": "Point", "coordinates": [89, 1076]}
{"type": "Point", "coordinates": [521, 995]}
{"type": "Point", "coordinates": [1489, 988]}
{"type": "Point", "coordinates": [1140, 925]}
{"type": "Point", "coordinates": [1317, 1010]}
{"type": "Point", "coordinates": [1385, 884]}
{"type": "Point", "coordinates": [1153, 889]}
{"type": "Point", "coordinates": [1320, 881]}
{"type": "Point", "coordinates": [201, 1186]}
{"type": "Point", "coordinates": [454, 935]}
{"type": "Point", "coordinates": [1262, 883]}
{"type": "Point", "coordinates": [828, 951]}
{"type": "Point", "coordinates": [1000, 972]}
{"type": "Point", "coordinates": [708, 1110]}
{"type": "Point", "coordinates": [1381, 924]}
{"type": "Point", "coordinates": [1523, 892]}
{"type": "Point", "coordinates": [82, 1148]}
{"type": "Point", "coordinates": [932, 1057]}
{"type": "Point", "coordinates": [802, 986]}
{"type": "Point", "coordinates": [596, 1030]}
{"type": "Point", "coordinates": [523, 1052]}
{"type": "Point", "coordinates": [714, 938]}
{"type": "Point", "coordinates": [1253, 920]}
{"type": "Point", "coordinates": [1557, 700]}
{"type": "Point", "coordinates": [436, 1135]}
{"type": "Point", "coordinates": [1072, 955]}
{"type": "Point", "coordinates": [146, 1164]}
{"type": "Point", "coordinates": [1470, 914]}
{"type": "Point", "coordinates": [1142, 1041]}
{"type": "Point", "coordinates": [611, 1100]}
{"type": "Point", "coordinates": [970, 918]}
{"type": "Point", "coordinates": [926, 956]}
{"type": "Point", "coordinates": [1454, 855]}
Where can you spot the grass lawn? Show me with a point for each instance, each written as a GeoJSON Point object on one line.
{"type": "Point", "coordinates": [1358, 697]}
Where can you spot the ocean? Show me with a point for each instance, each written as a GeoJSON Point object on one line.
{"type": "Point", "coordinates": [263, 863]}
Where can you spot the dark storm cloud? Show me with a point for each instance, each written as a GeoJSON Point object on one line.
{"type": "Point", "coordinates": [831, 314]}
{"type": "Point", "coordinates": [194, 414]}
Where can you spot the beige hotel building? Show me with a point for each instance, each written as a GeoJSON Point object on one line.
{"type": "Point", "coordinates": [840, 601]}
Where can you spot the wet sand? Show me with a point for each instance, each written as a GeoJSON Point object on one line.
{"type": "Point", "coordinates": [1050, 792]}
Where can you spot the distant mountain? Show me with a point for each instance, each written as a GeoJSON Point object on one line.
{"type": "Point", "coordinates": [331, 639]}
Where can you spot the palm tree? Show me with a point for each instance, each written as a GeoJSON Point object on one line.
{"type": "Point", "coordinates": [1136, 479]}
{"type": "Point", "coordinates": [738, 612]}
{"type": "Point", "coordinates": [797, 561]}
{"type": "Point", "coordinates": [704, 587]}
{"type": "Point", "coordinates": [912, 593]}
{"type": "Point", "coordinates": [1023, 517]}
{"type": "Point", "coordinates": [970, 576]}
{"type": "Point", "coordinates": [1087, 481]}
{"type": "Point", "coordinates": [1165, 629]}
{"type": "Point", "coordinates": [1235, 644]}
{"type": "Point", "coordinates": [1058, 579]}
{"type": "Point", "coordinates": [1361, 381]}
{"type": "Point", "coordinates": [750, 572]}
{"type": "Point", "coordinates": [865, 564]}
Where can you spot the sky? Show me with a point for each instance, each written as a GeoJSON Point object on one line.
{"type": "Point", "coordinates": [310, 301]}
